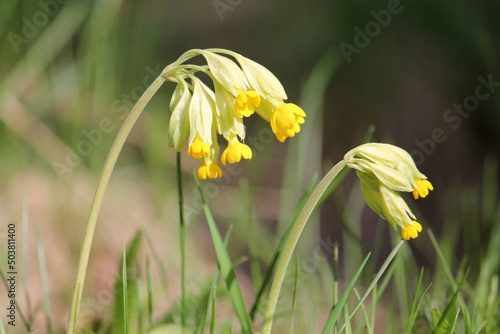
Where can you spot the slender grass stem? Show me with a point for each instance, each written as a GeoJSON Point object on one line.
{"type": "Point", "coordinates": [99, 196]}
{"type": "Point", "coordinates": [292, 242]}
{"type": "Point", "coordinates": [183, 241]}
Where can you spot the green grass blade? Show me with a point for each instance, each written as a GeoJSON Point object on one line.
{"type": "Point", "coordinates": [212, 320]}
{"type": "Point", "coordinates": [138, 298]}
{"type": "Point", "coordinates": [150, 295]}
{"type": "Point", "coordinates": [226, 267]}
{"type": "Point", "coordinates": [126, 281]}
{"type": "Point", "coordinates": [377, 277]}
{"type": "Point", "coordinates": [279, 249]}
{"type": "Point", "coordinates": [213, 286]}
{"type": "Point", "coordinates": [43, 280]}
{"type": "Point", "coordinates": [442, 323]}
{"type": "Point", "coordinates": [337, 308]}
{"type": "Point", "coordinates": [444, 327]}
{"type": "Point", "coordinates": [24, 256]}
{"type": "Point", "coordinates": [417, 301]}
{"type": "Point", "coordinates": [453, 325]}
{"type": "Point", "coordinates": [125, 290]}
{"type": "Point", "coordinates": [367, 327]}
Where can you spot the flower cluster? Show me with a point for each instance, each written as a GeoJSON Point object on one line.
{"type": "Point", "coordinates": [199, 113]}
{"type": "Point", "coordinates": [383, 170]}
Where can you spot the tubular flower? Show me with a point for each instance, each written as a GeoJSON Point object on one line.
{"type": "Point", "coordinates": [285, 120]}
{"type": "Point", "coordinates": [383, 170]}
{"type": "Point", "coordinates": [198, 148]}
{"type": "Point", "coordinates": [209, 169]}
{"type": "Point", "coordinates": [235, 151]}
{"type": "Point", "coordinates": [242, 87]}
{"type": "Point", "coordinates": [246, 102]}
{"type": "Point", "coordinates": [422, 188]}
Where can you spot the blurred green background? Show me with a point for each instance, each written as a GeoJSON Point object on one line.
{"type": "Point", "coordinates": [71, 70]}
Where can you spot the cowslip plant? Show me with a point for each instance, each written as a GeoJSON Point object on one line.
{"type": "Point", "coordinates": [199, 114]}
{"type": "Point", "coordinates": [383, 169]}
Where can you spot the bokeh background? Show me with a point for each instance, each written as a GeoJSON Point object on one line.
{"type": "Point", "coordinates": [71, 70]}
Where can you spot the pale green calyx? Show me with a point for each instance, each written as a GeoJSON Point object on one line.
{"type": "Point", "coordinates": [384, 169]}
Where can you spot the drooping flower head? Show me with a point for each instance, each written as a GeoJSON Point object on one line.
{"type": "Point", "coordinates": [384, 170]}
{"type": "Point", "coordinates": [240, 89]}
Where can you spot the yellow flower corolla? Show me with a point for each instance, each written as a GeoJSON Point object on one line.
{"type": "Point", "coordinates": [198, 148]}
{"type": "Point", "coordinates": [235, 151]}
{"type": "Point", "coordinates": [285, 120]}
{"type": "Point", "coordinates": [411, 231]}
{"type": "Point", "coordinates": [422, 188]}
{"type": "Point", "coordinates": [241, 87]}
{"type": "Point", "coordinates": [383, 170]}
{"type": "Point", "coordinates": [246, 102]}
{"type": "Point", "coordinates": [209, 169]}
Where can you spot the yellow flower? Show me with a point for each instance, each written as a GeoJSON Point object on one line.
{"type": "Point", "coordinates": [422, 188]}
{"type": "Point", "coordinates": [198, 148]}
{"type": "Point", "coordinates": [384, 169]}
{"type": "Point", "coordinates": [285, 120]}
{"type": "Point", "coordinates": [209, 169]}
{"type": "Point", "coordinates": [246, 102]}
{"type": "Point", "coordinates": [411, 231]}
{"type": "Point", "coordinates": [235, 151]}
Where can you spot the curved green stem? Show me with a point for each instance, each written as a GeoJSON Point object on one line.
{"type": "Point", "coordinates": [292, 242]}
{"type": "Point", "coordinates": [99, 196]}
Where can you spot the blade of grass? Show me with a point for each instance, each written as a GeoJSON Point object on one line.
{"type": "Point", "coordinates": [414, 305]}
{"type": "Point", "coordinates": [24, 255]}
{"type": "Point", "coordinates": [365, 314]}
{"type": "Point", "coordinates": [131, 256]}
{"type": "Point", "coordinates": [138, 298]}
{"type": "Point", "coordinates": [414, 313]}
{"type": "Point", "coordinates": [125, 290]}
{"type": "Point", "coordinates": [450, 278]}
{"type": "Point", "coordinates": [338, 307]}
{"type": "Point", "coordinates": [453, 325]}
{"type": "Point", "coordinates": [212, 320]}
{"type": "Point", "coordinates": [226, 266]}
{"type": "Point", "coordinates": [150, 295]}
{"type": "Point", "coordinates": [215, 281]}
{"type": "Point", "coordinates": [377, 277]}
{"type": "Point", "coordinates": [450, 305]}
{"type": "Point", "coordinates": [42, 267]}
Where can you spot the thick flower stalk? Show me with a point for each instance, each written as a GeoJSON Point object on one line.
{"type": "Point", "coordinates": [385, 170]}
{"type": "Point", "coordinates": [240, 89]}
